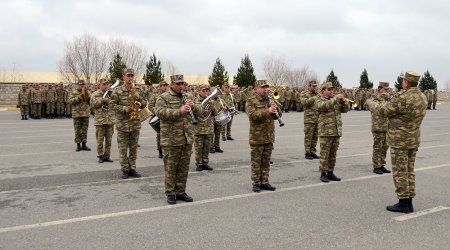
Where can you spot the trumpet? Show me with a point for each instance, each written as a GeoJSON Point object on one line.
{"type": "Point", "coordinates": [193, 119]}
{"type": "Point", "coordinates": [275, 115]}
{"type": "Point", "coordinates": [108, 93]}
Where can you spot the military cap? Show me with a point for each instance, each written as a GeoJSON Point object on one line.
{"type": "Point", "coordinates": [103, 80]}
{"type": "Point", "coordinates": [128, 71]}
{"type": "Point", "coordinates": [205, 86]}
{"type": "Point", "coordinates": [226, 85]}
{"type": "Point", "coordinates": [162, 83]}
{"type": "Point", "coordinates": [312, 82]}
{"type": "Point", "coordinates": [177, 78]}
{"type": "Point", "coordinates": [326, 85]}
{"type": "Point", "coordinates": [261, 83]}
{"type": "Point", "coordinates": [411, 76]}
{"type": "Point", "coordinates": [383, 84]}
{"type": "Point", "coordinates": [81, 82]}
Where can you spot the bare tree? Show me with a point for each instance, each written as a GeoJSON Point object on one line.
{"type": "Point", "coordinates": [132, 55]}
{"type": "Point", "coordinates": [84, 59]}
{"type": "Point", "coordinates": [301, 77]}
{"type": "Point", "coordinates": [276, 70]}
{"type": "Point", "coordinates": [168, 68]}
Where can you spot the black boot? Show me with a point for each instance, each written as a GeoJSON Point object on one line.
{"type": "Point", "coordinates": [324, 177]}
{"type": "Point", "coordinates": [411, 208]}
{"type": "Point", "coordinates": [308, 156]}
{"type": "Point", "coordinates": [199, 167]}
{"type": "Point", "coordinates": [100, 159]}
{"type": "Point", "coordinates": [84, 147]}
{"type": "Point", "coordinates": [333, 177]}
{"type": "Point", "coordinates": [160, 154]}
{"type": "Point", "coordinates": [218, 150]}
{"type": "Point", "coordinates": [401, 207]}
{"type": "Point", "coordinates": [107, 159]}
{"type": "Point", "coordinates": [26, 118]}
{"type": "Point", "coordinates": [23, 117]}
{"type": "Point", "coordinates": [78, 147]}
{"type": "Point", "coordinates": [207, 167]}
{"type": "Point", "coordinates": [314, 155]}
{"type": "Point", "coordinates": [385, 170]}
{"type": "Point", "coordinates": [378, 170]}
{"type": "Point", "coordinates": [212, 150]}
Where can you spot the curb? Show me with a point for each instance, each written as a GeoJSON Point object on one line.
{"type": "Point", "coordinates": [9, 109]}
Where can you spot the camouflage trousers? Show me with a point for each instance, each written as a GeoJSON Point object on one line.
{"type": "Point", "coordinates": [380, 148]}
{"type": "Point", "coordinates": [36, 109]}
{"type": "Point", "coordinates": [226, 129]}
{"type": "Point", "coordinates": [260, 157]}
{"type": "Point", "coordinates": [50, 108]}
{"type": "Point", "coordinates": [430, 103]}
{"type": "Point", "coordinates": [81, 125]}
{"type": "Point", "coordinates": [176, 166]}
{"type": "Point", "coordinates": [202, 143]}
{"type": "Point", "coordinates": [68, 109]}
{"type": "Point", "coordinates": [403, 172]}
{"type": "Point", "coordinates": [127, 143]}
{"type": "Point", "coordinates": [328, 150]}
{"type": "Point", "coordinates": [104, 135]}
{"type": "Point", "coordinates": [311, 136]}
{"type": "Point", "coordinates": [434, 103]}
{"type": "Point", "coordinates": [59, 108]}
{"type": "Point", "coordinates": [215, 139]}
{"type": "Point", "coordinates": [24, 109]}
{"type": "Point", "coordinates": [158, 141]}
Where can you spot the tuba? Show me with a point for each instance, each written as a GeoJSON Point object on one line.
{"type": "Point", "coordinates": [206, 103]}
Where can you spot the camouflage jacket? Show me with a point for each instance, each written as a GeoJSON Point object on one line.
{"type": "Point", "coordinates": [262, 128]}
{"type": "Point", "coordinates": [308, 100]}
{"type": "Point", "coordinates": [121, 104]}
{"type": "Point", "coordinates": [23, 98]}
{"type": "Point", "coordinates": [80, 107]}
{"type": "Point", "coordinates": [405, 112]}
{"type": "Point", "coordinates": [51, 95]}
{"type": "Point", "coordinates": [330, 122]}
{"type": "Point", "coordinates": [176, 127]}
{"type": "Point", "coordinates": [379, 123]}
{"type": "Point", "coordinates": [36, 96]}
{"type": "Point", "coordinates": [102, 116]}
{"type": "Point", "coordinates": [228, 100]}
{"type": "Point", "coordinates": [152, 101]}
{"type": "Point", "coordinates": [205, 124]}
{"type": "Point", "coordinates": [60, 95]}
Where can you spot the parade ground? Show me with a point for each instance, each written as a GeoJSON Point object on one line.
{"type": "Point", "coordinates": [52, 197]}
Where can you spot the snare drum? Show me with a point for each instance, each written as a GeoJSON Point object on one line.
{"type": "Point", "coordinates": [223, 117]}
{"type": "Point", "coordinates": [154, 123]}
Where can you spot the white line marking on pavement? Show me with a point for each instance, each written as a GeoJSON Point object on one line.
{"type": "Point", "coordinates": [195, 203]}
{"type": "Point", "coordinates": [420, 213]}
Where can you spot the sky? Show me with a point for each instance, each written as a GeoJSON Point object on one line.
{"type": "Point", "coordinates": [386, 37]}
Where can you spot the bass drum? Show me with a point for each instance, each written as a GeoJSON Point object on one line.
{"type": "Point", "coordinates": [223, 117]}
{"type": "Point", "coordinates": [154, 123]}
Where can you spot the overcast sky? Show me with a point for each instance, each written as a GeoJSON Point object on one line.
{"type": "Point", "coordinates": [386, 36]}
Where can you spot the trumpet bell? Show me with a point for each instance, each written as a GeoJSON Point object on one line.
{"type": "Point", "coordinates": [144, 114]}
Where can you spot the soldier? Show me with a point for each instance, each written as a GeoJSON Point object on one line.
{"type": "Point", "coordinates": [151, 105]}
{"type": "Point", "coordinates": [79, 99]}
{"type": "Point", "coordinates": [126, 101]}
{"type": "Point", "coordinates": [23, 102]}
{"type": "Point", "coordinates": [311, 119]}
{"type": "Point", "coordinates": [435, 96]}
{"type": "Point", "coordinates": [405, 112]}
{"type": "Point", "coordinates": [229, 102]}
{"type": "Point", "coordinates": [67, 101]}
{"type": "Point", "coordinates": [177, 135]}
{"type": "Point", "coordinates": [103, 121]}
{"type": "Point", "coordinates": [330, 129]}
{"type": "Point", "coordinates": [51, 100]}
{"type": "Point", "coordinates": [429, 95]}
{"type": "Point", "coordinates": [261, 113]}
{"type": "Point", "coordinates": [60, 96]}
{"type": "Point", "coordinates": [217, 128]}
{"type": "Point", "coordinates": [36, 100]}
{"type": "Point", "coordinates": [204, 129]}
{"type": "Point", "coordinates": [379, 130]}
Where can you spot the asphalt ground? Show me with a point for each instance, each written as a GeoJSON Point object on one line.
{"type": "Point", "coordinates": [52, 197]}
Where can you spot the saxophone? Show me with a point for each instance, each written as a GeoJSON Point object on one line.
{"type": "Point", "coordinates": [85, 95]}
{"type": "Point", "coordinates": [134, 104]}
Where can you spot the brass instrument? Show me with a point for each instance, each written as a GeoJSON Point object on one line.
{"type": "Point", "coordinates": [275, 115]}
{"type": "Point", "coordinates": [85, 95]}
{"type": "Point", "coordinates": [134, 104]}
{"type": "Point", "coordinates": [276, 93]}
{"type": "Point", "coordinates": [206, 103]}
{"type": "Point", "coordinates": [108, 93]}
{"type": "Point", "coordinates": [144, 114]}
{"type": "Point", "coordinates": [193, 119]}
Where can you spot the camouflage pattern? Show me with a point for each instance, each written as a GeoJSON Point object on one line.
{"type": "Point", "coordinates": [51, 100]}
{"type": "Point", "coordinates": [379, 130]}
{"type": "Point", "coordinates": [60, 96]}
{"type": "Point", "coordinates": [176, 166]}
{"type": "Point", "coordinates": [204, 131]}
{"type": "Point", "coordinates": [403, 172]}
{"type": "Point", "coordinates": [229, 101]}
{"type": "Point", "coordinates": [81, 125]}
{"type": "Point", "coordinates": [127, 142]}
{"type": "Point", "coordinates": [405, 113]}
{"type": "Point", "coordinates": [202, 144]}
{"type": "Point", "coordinates": [429, 95]}
{"type": "Point", "coordinates": [435, 97]}
{"type": "Point", "coordinates": [330, 130]}
{"type": "Point", "coordinates": [67, 103]}
{"type": "Point", "coordinates": [80, 104]}
{"type": "Point", "coordinates": [103, 134]}
{"type": "Point", "coordinates": [260, 168]}
{"type": "Point", "coordinates": [328, 151]}
{"type": "Point", "coordinates": [36, 101]}
{"type": "Point", "coordinates": [311, 119]}
{"type": "Point", "coordinates": [104, 123]}
{"type": "Point", "coordinates": [23, 100]}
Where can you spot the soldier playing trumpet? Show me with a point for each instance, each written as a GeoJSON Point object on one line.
{"type": "Point", "coordinates": [79, 99]}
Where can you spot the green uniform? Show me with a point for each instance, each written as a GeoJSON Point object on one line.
{"type": "Point", "coordinates": [23, 101]}
{"type": "Point", "coordinates": [204, 131]}
{"type": "Point", "coordinates": [80, 115]}
{"type": "Point", "coordinates": [229, 101]}
{"type": "Point", "coordinates": [379, 130]}
{"type": "Point", "coordinates": [311, 120]}
{"type": "Point", "coordinates": [103, 122]}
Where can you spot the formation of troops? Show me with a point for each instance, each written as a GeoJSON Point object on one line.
{"type": "Point", "coordinates": [190, 119]}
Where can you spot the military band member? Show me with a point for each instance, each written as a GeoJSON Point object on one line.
{"type": "Point", "coordinates": [151, 105]}
{"type": "Point", "coordinates": [405, 112]}
{"type": "Point", "coordinates": [330, 129]}
{"type": "Point", "coordinates": [103, 121]}
{"type": "Point", "coordinates": [36, 100]}
{"type": "Point", "coordinates": [23, 101]}
{"type": "Point", "coordinates": [217, 129]}
{"type": "Point", "coordinates": [51, 101]}
{"type": "Point", "coordinates": [204, 130]}
{"type": "Point", "coordinates": [126, 101]}
{"type": "Point", "coordinates": [435, 96]}
{"type": "Point", "coordinates": [311, 119]}
{"type": "Point", "coordinates": [177, 136]}
{"type": "Point", "coordinates": [80, 100]}
{"type": "Point", "coordinates": [379, 130]}
{"type": "Point", "coordinates": [229, 101]}
{"type": "Point", "coordinates": [429, 95]}
{"type": "Point", "coordinates": [60, 96]}
{"type": "Point", "coordinates": [261, 114]}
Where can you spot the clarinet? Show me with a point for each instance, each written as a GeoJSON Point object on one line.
{"type": "Point", "coordinates": [193, 119]}
{"type": "Point", "coordinates": [275, 115]}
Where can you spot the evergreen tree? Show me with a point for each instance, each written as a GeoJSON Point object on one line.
{"type": "Point", "coordinates": [153, 73]}
{"type": "Point", "coordinates": [399, 83]}
{"type": "Point", "coordinates": [116, 68]}
{"type": "Point", "coordinates": [333, 79]}
{"type": "Point", "coordinates": [219, 75]}
{"type": "Point", "coordinates": [427, 82]}
{"type": "Point", "coordinates": [245, 75]}
{"type": "Point", "coordinates": [364, 80]}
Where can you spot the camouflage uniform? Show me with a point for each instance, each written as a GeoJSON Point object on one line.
{"type": "Point", "coordinates": [128, 130]}
{"type": "Point", "coordinates": [67, 102]}
{"type": "Point", "coordinates": [379, 130]}
{"type": "Point", "coordinates": [228, 100]}
{"type": "Point", "coordinates": [36, 100]}
{"type": "Point", "coordinates": [217, 128]}
{"type": "Point", "coordinates": [23, 101]}
{"type": "Point", "coordinates": [330, 130]}
{"type": "Point", "coordinates": [177, 135]}
{"type": "Point", "coordinates": [51, 100]}
{"type": "Point", "coordinates": [435, 97]}
{"type": "Point", "coordinates": [203, 132]}
{"type": "Point", "coordinates": [311, 120]}
{"type": "Point", "coordinates": [60, 96]}
{"type": "Point", "coordinates": [103, 122]}
{"type": "Point", "coordinates": [405, 112]}
{"type": "Point", "coordinates": [81, 109]}
{"type": "Point", "coordinates": [261, 137]}
{"type": "Point", "coordinates": [429, 95]}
